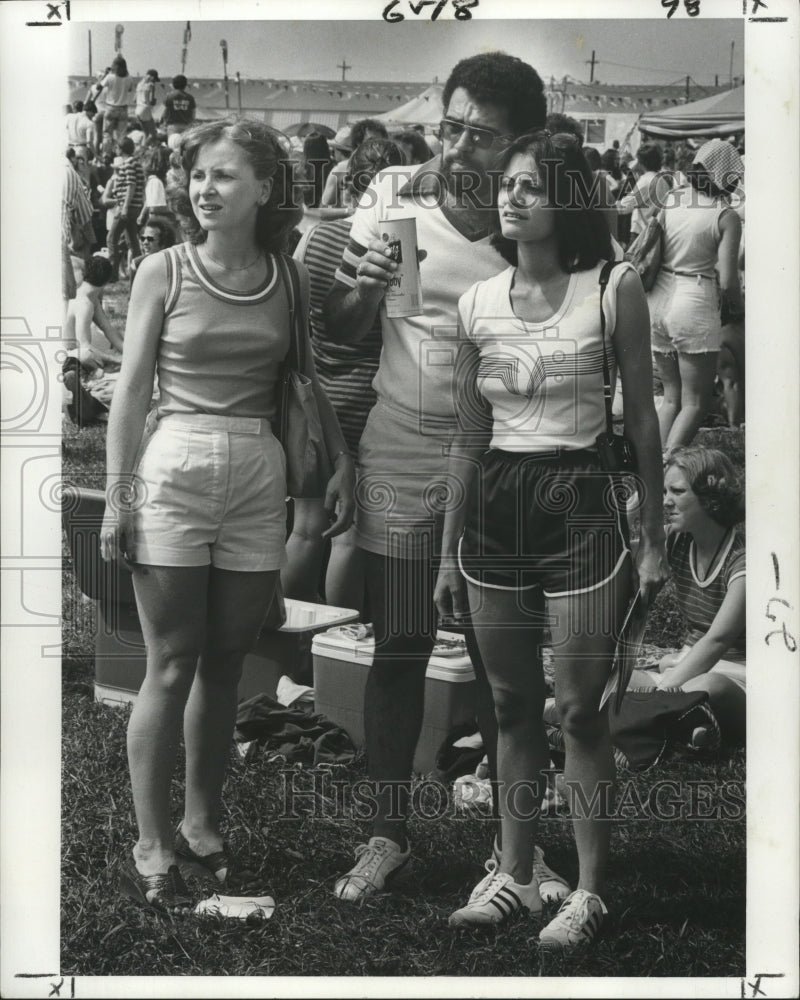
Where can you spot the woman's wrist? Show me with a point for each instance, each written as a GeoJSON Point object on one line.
{"type": "Point", "coordinates": [340, 456]}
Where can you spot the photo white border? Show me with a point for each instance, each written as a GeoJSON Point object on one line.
{"type": "Point", "coordinates": [33, 71]}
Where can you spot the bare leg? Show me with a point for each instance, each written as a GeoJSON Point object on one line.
{"type": "Point", "coordinates": [697, 389]}
{"type": "Point", "coordinates": [509, 640]}
{"type": "Point", "coordinates": [667, 369]}
{"type": "Point", "coordinates": [172, 609]}
{"type": "Point", "coordinates": [237, 606]}
{"type": "Point", "coordinates": [401, 597]}
{"type": "Point", "coordinates": [584, 632]}
{"type": "Point", "coordinates": [304, 551]}
{"type": "Point", "coordinates": [345, 578]}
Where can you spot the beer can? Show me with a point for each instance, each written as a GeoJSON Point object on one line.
{"type": "Point", "coordinates": [404, 294]}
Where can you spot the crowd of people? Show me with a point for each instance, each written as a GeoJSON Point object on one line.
{"type": "Point", "coordinates": [467, 442]}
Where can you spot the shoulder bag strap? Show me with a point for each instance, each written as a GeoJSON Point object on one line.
{"type": "Point", "coordinates": [605, 274]}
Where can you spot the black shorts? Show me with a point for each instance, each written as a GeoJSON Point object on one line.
{"type": "Point", "coordinates": [555, 521]}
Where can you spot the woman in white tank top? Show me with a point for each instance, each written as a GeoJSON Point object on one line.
{"type": "Point", "coordinates": [701, 236]}
{"type": "Point", "coordinates": [531, 534]}
{"type": "Point", "coordinates": [197, 511]}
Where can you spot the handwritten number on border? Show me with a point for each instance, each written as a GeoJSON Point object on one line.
{"type": "Point", "coordinates": [461, 9]}
{"type": "Point", "coordinates": [692, 7]}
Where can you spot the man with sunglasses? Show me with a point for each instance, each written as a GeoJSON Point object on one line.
{"type": "Point", "coordinates": [489, 99]}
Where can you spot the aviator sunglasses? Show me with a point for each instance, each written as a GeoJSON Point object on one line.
{"type": "Point", "coordinates": [480, 138]}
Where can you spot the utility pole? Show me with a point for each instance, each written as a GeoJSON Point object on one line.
{"type": "Point", "coordinates": [90, 53]}
{"type": "Point", "coordinates": [591, 63]}
{"type": "Point", "coordinates": [730, 71]}
{"type": "Point", "coordinates": [224, 46]}
{"type": "Point", "coordinates": [688, 78]}
{"type": "Point", "coordinates": [563, 94]}
{"type": "Point", "coordinates": [239, 89]}
{"type": "Point", "coordinates": [343, 67]}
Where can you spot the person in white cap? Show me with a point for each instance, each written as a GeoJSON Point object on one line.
{"type": "Point", "coordinates": [700, 252]}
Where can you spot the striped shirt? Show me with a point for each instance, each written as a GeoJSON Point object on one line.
{"type": "Point", "coordinates": [76, 209]}
{"type": "Point", "coordinates": [700, 600]}
{"type": "Point", "coordinates": [345, 371]}
{"type": "Point", "coordinates": [130, 174]}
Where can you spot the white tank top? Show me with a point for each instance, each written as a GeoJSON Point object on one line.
{"type": "Point", "coordinates": [543, 381]}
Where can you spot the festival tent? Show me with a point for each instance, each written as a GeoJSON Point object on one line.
{"type": "Point", "coordinates": [720, 115]}
{"type": "Point", "coordinates": [425, 109]}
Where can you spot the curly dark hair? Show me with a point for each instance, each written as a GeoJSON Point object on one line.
{"type": "Point", "coordinates": [166, 232]}
{"type": "Point", "coordinates": [370, 157]}
{"type": "Point", "coordinates": [503, 80]}
{"type": "Point", "coordinates": [98, 271]}
{"type": "Point", "coordinates": [582, 234]}
{"type": "Point", "coordinates": [556, 122]}
{"type": "Point", "coordinates": [713, 480]}
{"type": "Point", "coordinates": [420, 149]}
{"type": "Point", "coordinates": [269, 154]}
{"type": "Point", "coordinates": [360, 129]}
{"type": "Point", "coordinates": [650, 156]}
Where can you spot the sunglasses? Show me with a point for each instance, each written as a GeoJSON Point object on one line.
{"type": "Point", "coordinates": [480, 138]}
{"type": "Point", "coordinates": [147, 239]}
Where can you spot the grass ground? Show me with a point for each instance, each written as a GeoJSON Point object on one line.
{"type": "Point", "coordinates": [677, 875]}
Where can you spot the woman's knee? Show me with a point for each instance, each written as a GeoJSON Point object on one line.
{"type": "Point", "coordinates": [515, 709]}
{"type": "Point", "coordinates": [579, 719]}
{"type": "Point", "coordinates": [172, 667]}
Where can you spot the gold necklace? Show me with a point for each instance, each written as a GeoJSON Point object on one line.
{"type": "Point", "coordinates": [224, 268]}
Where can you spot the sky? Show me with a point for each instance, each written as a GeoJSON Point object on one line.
{"type": "Point", "coordinates": [641, 51]}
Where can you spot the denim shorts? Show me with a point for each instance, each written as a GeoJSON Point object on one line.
{"type": "Point", "coordinates": [214, 493]}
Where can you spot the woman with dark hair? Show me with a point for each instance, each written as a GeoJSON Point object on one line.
{"type": "Point", "coordinates": [118, 86]}
{"type": "Point", "coordinates": [314, 168]}
{"type": "Point", "coordinates": [535, 530]}
{"type": "Point", "coordinates": [197, 510]}
{"type": "Point", "coordinates": [346, 372]}
{"type": "Point", "coordinates": [650, 189]}
{"type": "Point", "coordinates": [701, 234]}
{"type": "Point", "coordinates": [414, 147]}
{"type": "Point", "coordinates": [703, 504]}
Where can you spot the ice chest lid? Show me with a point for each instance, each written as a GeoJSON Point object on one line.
{"type": "Point", "coordinates": [305, 616]}
{"type": "Point", "coordinates": [454, 669]}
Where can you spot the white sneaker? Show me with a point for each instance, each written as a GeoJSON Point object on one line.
{"type": "Point", "coordinates": [496, 898]}
{"type": "Point", "coordinates": [378, 860]}
{"type": "Point", "coordinates": [577, 922]}
{"type": "Point", "coordinates": [552, 887]}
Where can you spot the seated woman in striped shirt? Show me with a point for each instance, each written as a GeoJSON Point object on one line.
{"type": "Point", "coordinates": [703, 503]}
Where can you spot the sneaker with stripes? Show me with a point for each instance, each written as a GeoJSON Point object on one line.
{"type": "Point", "coordinates": [496, 898]}
{"type": "Point", "coordinates": [577, 922]}
{"type": "Point", "coordinates": [552, 886]}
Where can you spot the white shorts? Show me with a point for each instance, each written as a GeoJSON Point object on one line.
{"type": "Point", "coordinates": [214, 493]}
{"type": "Point", "coordinates": [684, 314]}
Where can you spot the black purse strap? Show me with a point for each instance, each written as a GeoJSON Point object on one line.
{"type": "Point", "coordinates": [605, 274]}
{"type": "Point", "coordinates": [295, 356]}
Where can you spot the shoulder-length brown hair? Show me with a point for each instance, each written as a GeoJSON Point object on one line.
{"type": "Point", "coordinates": [268, 153]}
{"type": "Point", "coordinates": [582, 234]}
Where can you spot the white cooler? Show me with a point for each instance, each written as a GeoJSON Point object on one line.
{"type": "Point", "coordinates": [341, 665]}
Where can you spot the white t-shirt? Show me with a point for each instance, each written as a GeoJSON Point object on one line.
{"type": "Point", "coordinates": [544, 381]}
{"type": "Point", "coordinates": [419, 352]}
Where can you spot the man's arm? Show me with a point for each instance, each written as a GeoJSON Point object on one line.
{"type": "Point", "coordinates": [351, 311]}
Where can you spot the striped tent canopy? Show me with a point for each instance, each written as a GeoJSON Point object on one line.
{"type": "Point", "coordinates": [720, 115]}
